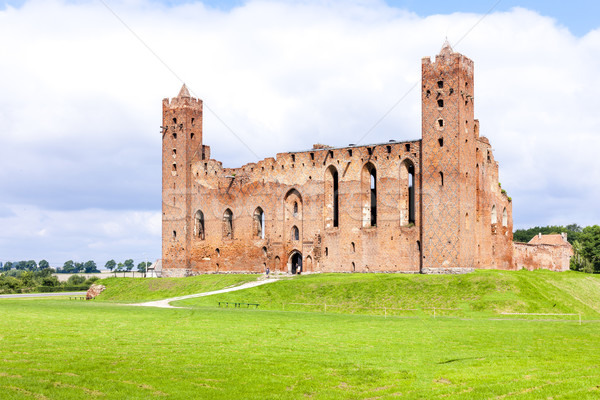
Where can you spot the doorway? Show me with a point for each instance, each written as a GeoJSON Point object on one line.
{"type": "Point", "coordinates": [296, 262]}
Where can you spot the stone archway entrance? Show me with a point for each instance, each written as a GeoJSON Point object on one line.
{"type": "Point", "coordinates": [295, 262]}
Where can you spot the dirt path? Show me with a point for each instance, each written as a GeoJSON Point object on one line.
{"type": "Point", "coordinates": [165, 303]}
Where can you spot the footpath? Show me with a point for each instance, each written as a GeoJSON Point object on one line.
{"type": "Point", "coordinates": [165, 303]}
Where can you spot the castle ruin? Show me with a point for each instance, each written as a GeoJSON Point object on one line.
{"type": "Point", "coordinates": [432, 205]}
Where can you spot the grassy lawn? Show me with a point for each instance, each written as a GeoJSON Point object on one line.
{"type": "Point", "coordinates": [131, 290]}
{"type": "Point", "coordinates": [61, 349]}
{"type": "Point", "coordinates": [483, 293]}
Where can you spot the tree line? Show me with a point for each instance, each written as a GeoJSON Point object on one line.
{"type": "Point", "coordinates": [72, 267]}
{"type": "Point", "coordinates": [585, 242]}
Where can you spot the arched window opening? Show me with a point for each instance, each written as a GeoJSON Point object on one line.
{"type": "Point", "coordinates": [199, 225]}
{"type": "Point", "coordinates": [228, 224]}
{"type": "Point", "coordinates": [331, 197]}
{"type": "Point", "coordinates": [174, 234]}
{"type": "Point", "coordinates": [295, 209]}
{"type": "Point", "coordinates": [411, 193]}
{"type": "Point", "coordinates": [373, 197]}
{"type": "Point", "coordinates": [504, 217]}
{"type": "Point", "coordinates": [494, 215]}
{"type": "Point", "coordinates": [192, 135]}
{"type": "Point", "coordinates": [353, 247]}
{"type": "Point", "coordinates": [369, 195]}
{"type": "Point", "coordinates": [259, 223]}
{"type": "Point", "coordinates": [353, 267]}
{"type": "Point", "coordinates": [264, 250]}
{"type": "Point", "coordinates": [218, 252]}
{"type": "Point", "coordinates": [295, 233]}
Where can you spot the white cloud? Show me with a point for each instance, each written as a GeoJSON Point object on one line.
{"type": "Point", "coordinates": [80, 102]}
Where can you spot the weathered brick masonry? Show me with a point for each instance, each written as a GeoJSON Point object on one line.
{"type": "Point", "coordinates": [425, 206]}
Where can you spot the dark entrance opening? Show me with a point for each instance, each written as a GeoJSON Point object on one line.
{"type": "Point", "coordinates": [296, 261]}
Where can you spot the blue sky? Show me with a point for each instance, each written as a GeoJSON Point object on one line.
{"type": "Point", "coordinates": [80, 102]}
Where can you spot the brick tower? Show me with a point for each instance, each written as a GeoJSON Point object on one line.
{"type": "Point", "coordinates": [448, 160]}
{"type": "Point", "coordinates": [182, 145]}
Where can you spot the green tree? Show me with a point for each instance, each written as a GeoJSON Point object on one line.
{"type": "Point", "coordinates": [128, 264]}
{"type": "Point", "coordinates": [8, 266]}
{"type": "Point", "coordinates": [143, 266]}
{"type": "Point", "coordinates": [110, 265]}
{"type": "Point", "coordinates": [68, 267]}
{"type": "Point", "coordinates": [43, 264]}
{"type": "Point", "coordinates": [90, 267]}
{"type": "Point", "coordinates": [590, 246]}
{"type": "Point", "coordinates": [119, 267]}
{"type": "Point", "coordinates": [30, 265]}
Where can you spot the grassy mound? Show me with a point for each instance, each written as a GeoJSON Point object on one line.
{"type": "Point", "coordinates": [481, 292]}
{"type": "Point", "coordinates": [130, 290]}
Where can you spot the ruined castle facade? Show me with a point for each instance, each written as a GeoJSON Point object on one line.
{"type": "Point", "coordinates": [422, 206]}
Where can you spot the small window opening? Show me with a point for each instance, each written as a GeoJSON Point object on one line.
{"type": "Point", "coordinates": [441, 142]}
{"type": "Point", "coordinates": [175, 121]}
{"type": "Point", "coordinates": [370, 150]}
{"type": "Point", "coordinates": [407, 147]}
{"type": "Point", "coordinates": [228, 224]}
{"type": "Point", "coordinates": [293, 158]}
{"type": "Point", "coordinates": [326, 251]}
{"type": "Point", "coordinates": [174, 169]}
{"type": "Point", "coordinates": [174, 135]}
{"type": "Point", "coordinates": [295, 209]}
{"type": "Point", "coordinates": [295, 233]}
{"type": "Point", "coordinates": [193, 119]}
{"type": "Point", "coordinates": [218, 252]}
{"type": "Point", "coordinates": [192, 135]}
{"type": "Point", "coordinates": [174, 152]}
{"type": "Point", "coordinates": [174, 234]}
{"type": "Point", "coordinates": [389, 149]}
{"type": "Point", "coordinates": [441, 178]}
{"type": "Point", "coordinates": [353, 247]}
{"type": "Point", "coordinates": [440, 84]}
{"type": "Point", "coordinates": [330, 154]}
{"type": "Point", "coordinates": [264, 250]}
{"type": "Point", "coordinates": [440, 103]}
{"type": "Point", "coordinates": [489, 157]}
{"type": "Point", "coordinates": [349, 152]}
{"type": "Point", "coordinates": [373, 197]}
{"type": "Point", "coordinates": [312, 156]}
{"type": "Point", "coordinates": [428, 93]}
{"type": "Point", "coordinates": [440, 123]}
{"type": "Point", "coordinates": [451, 91]}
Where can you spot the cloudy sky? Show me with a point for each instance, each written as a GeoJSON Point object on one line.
{"type": "Point", "coordinates": [81, 84]}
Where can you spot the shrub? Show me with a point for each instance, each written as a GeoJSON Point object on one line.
{"type": "Point", "coordinates": [91, 280]}
{"type": "Point", "coordinates": [76, 280]}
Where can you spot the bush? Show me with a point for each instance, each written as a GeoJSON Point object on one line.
{"type": "Point", "coordinates": [91, 280]}
{"type": "Point", "coordinates": [75, 280]}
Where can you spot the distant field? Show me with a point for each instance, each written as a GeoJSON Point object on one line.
{"type": "Point", "coordinates": [62, 349]}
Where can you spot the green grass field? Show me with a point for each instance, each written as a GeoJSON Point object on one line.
{"type": "Point", "coordinates": [62, 349]}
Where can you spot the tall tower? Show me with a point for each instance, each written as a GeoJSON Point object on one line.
{"type": "Point", "coordinates": [181, 146]}
{"type": "Point", "coordinates": [448, 161]}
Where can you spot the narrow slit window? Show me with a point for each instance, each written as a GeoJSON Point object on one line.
{"type": "Point", "coordinates": [441, 142]}
{"type": "Point", "coordinates": [441, 178]}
